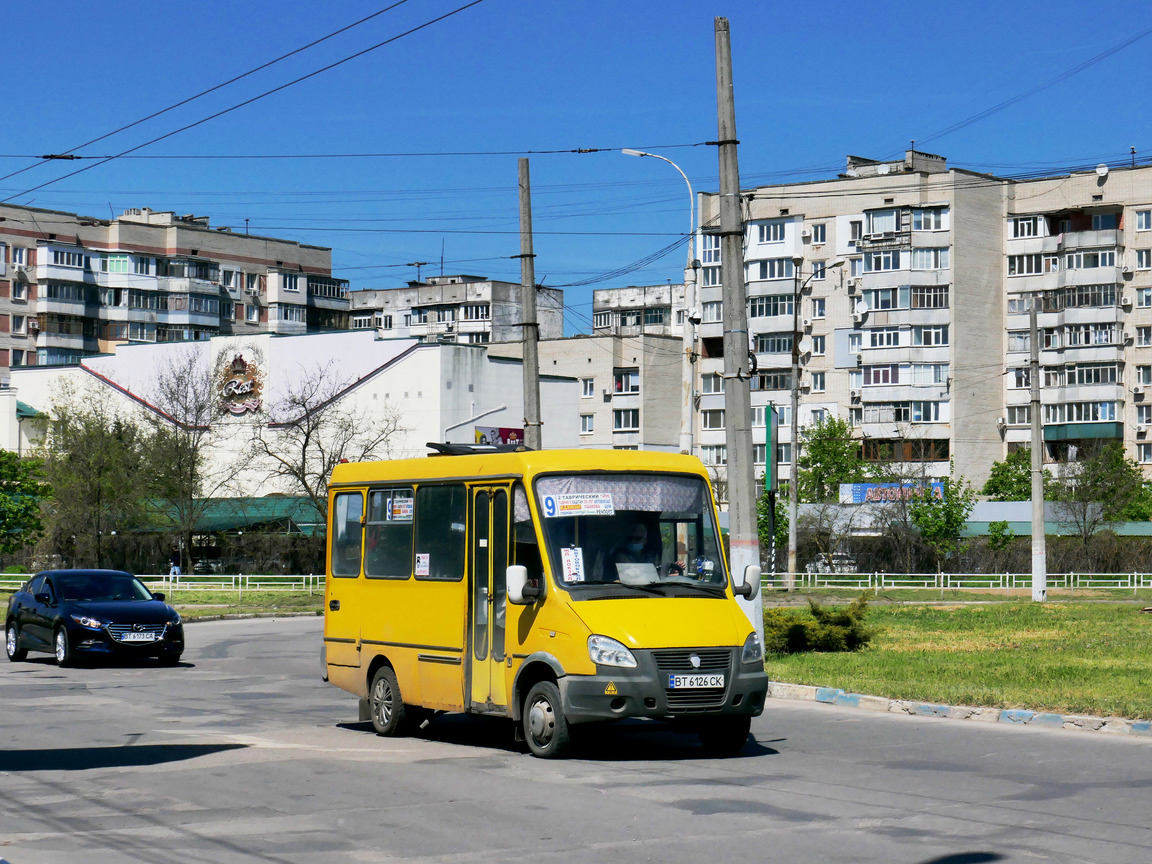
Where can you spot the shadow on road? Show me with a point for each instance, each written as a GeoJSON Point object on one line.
{"type": "Point", "coordinates": [625, 741]}
{"type": "Point", "coordinates": [87, 758]}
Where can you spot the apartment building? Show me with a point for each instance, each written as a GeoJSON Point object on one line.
{"type": "Point", "coordinates": [908, 287]}
{"type": "Point", "coordinates": [458, 308]}
{"type": "Point", "coordinates": [654, 310]}
{"type": "Point", "coordinates": [890, 278]}
{"type": "Point", "coordinates": [73, 286]}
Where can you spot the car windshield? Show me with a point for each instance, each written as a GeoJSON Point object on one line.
{"type": "Point", "coordinates": [101, 587]}
{"type": "Point", "coordinates": [631, 535]}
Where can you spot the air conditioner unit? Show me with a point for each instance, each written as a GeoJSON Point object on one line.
{"type": "Point", "coordinates": [853, 395]}
{"type": "Point", "coordinates": [1125, 269]}
{"type": "Point", "coordinates": [857, 317]}
{"type": "Point", "coordinates": [1141, 429]}
{"type": "Point", "coordinates": [805, 386]}
{"type": "Point", "coordinates": [1137, 389]}
{"type": "Point", "coordinates": [853, 281]}
{"type": "Point", "coordinates": [807, 323]}
{"type": "Point", "coordinates": [805, 233]}
{"type": "Point", "coordinates": [1002, 422]}
{"type": "Point", "coordinates": [1127, 335]}
{"type": "Point", "coordinates": [1125, 301]}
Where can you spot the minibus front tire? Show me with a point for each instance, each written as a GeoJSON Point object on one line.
{"type": "Point", "coordinates": [725, 735]}
{"type": "Point", "coordinates": [387, 708]}
{"type": "Point", "coordinates": [545, 727]}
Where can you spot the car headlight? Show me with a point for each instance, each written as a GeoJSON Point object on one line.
{"type": "Point", "coordinates": [88, 621]}
{"type": "Point", "coordinates": [608, 652]}
{"type": "Point", "coordinates": [753, 651]}
{"type": "Point", "coordinates": [175, 618]}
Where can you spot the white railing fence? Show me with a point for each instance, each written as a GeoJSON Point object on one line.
{"type": "Point", "coordinates": [1006, 582]}
{"type": "Point", "coordinates": [312, 583]}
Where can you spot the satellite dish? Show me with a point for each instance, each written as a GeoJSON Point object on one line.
{"type": "Point", "coordinates": [861, 307]}
{"type": "Point", "coordinates": [883, 169]}
{"type": "Point", "coordinates": [806, 345]}
{"type": "Point", "coordinates": [1101, 170]}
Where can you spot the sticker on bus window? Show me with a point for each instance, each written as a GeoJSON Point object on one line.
{"type": "Point", "coordinates": [402, 509]}
{"type": "Point", "coordinates": [572, 559]}
{"type": "Point", "coordinates": [578, 504]}
{"type": "Point", "coordinates": [423, 563]}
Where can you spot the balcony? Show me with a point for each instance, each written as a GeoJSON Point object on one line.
{"type": "Point", "coordinates": [1089, 239]}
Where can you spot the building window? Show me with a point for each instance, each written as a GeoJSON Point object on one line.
{"type": "Point", "coordinates": [656, 317]}
{"type": "Point", "coordinates": [1143, 259]}
{"type": "Point", "coordinates": [818, 416]}
{"type": "Point", "coordinates": [1026, 226]}
{"type": "Point", "coordinates": [362, 322]}
{"type": "Point", "coordinates": [1144, 415]}
{"type": "Point", "coordinates": [712, 418]}
{"type": "Point", "coordinates": [1105, 221]}
{"type": "Point", "coordinates": [1019, 415]}
{"type": "Point", "coordinates": [784, 453]}
{"type": "Point", "coordinates": [587, 424]}
{"type": "Point", "coordinates": [384, 322]}
{"type": "Point", "coordinates": [251, 313]}
{"type": "Point", "coordinates": [888, 259]}
{"type": "Point", "coordinates": [295, 314]}
{"type": "Point", "coordinates": [1144, 336]}
{"type": "Point", "coordinates": [60, 258]}
{"type": "Point", "coordinates": [291, 281]}
{"type": "Point", "coordinates": [819, 233]}
{"type": "Point", "coordinates": [1024, 265]}
{"type": "Point", "coordinates": [773, 379]}
{"type": "Point", "coordinates": [625, 381]}
{"type": "Point", "coordinates": [1088, 260]}
{"type": "Point", "coordinates": [818, 379]}
{"type": "Point", "coordinates": [773, 232]}
{"type": "Point", "coordinates": [882, 221]}
{"type": "Point", "coordinates": [929, 296]}
{"type": "Point", "coordinates": [766, 307]}
{"type": "Point", "coordinates": [1017, 305]}
{"type": "Point", "coordinates": [714, 454]}
{"type": "Point", "coordinates": [930, 219]}
{"type": "Point", "coordinates": [476, 312]}
{"type": "Point", "coordinates": [1144, 453]}
{"type": "Point", "coordinates": [930, 335]}
{"type": "Point", "coordinates": [626, 420]}
{"type": "Point", "coordinates": [774, 343]}
{"type": "Point", "coordinates": [930, 259]}
{"type": "Point", "coordinates": [1018, 340]}
{"type": "Point", "coordinates": [854, 341]}
{"type": "Point", "coordinates": [587, 387]}
{"type": "Point", "coordinates": [1144, 374]}
{"type": "Point", "coordinates": [1019, 378]}
{"type": "Point", "coordinates": [600, 320]}
{"type": "Point", "coordinates": [18, 255]}
{"type": "Point", "coordinates": [775, 268]}
{"type": "Point", "coordinates": [114, 263]}
{"type": "Point", "coordinates": [818, 307]}
{"type": "Point", "coordinates": [884, 337]}
{"type": "Point", "coordinates": [1143, 220]}
{"type": "Point", "coordinates": [711, 277]}
{"type": "Point", "coordinates": [855, 230]}
{"type": "Point", "coordinates": [445, 316]}
{"type": "Point", "coordinates": [630, 318]}
{"type": "Point", "coordinates": [819, 270]}
{"type": "Point", "coordinates": [818, 346]}
{"type": "Point", "coordinates": [925, 412]}
{"type": "Point", "coordinates": [18, 357]}
{"type": "Point", "coordinates": [880, 375]}
{"type": "Point", "coordinates": [712, 383]}
{"type": "Point", "coordinates": [712, 312]}
{"type": "Point", "coordinates": [1143, 296]}
{"type": "Point", "coordinates": [19, 324]}
{"type": "Point", "coordinates": [710, 249]}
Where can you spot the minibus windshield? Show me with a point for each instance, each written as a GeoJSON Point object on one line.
{"type": "Point", "coordinates": [631, 534]}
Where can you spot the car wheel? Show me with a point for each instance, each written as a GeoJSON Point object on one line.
{"type": "Point", "coordinates": [545, 727]}
{"type": "Point", "coordinates": [725, 736]}
{"type": "Point", "coordinates": [64, 654]}
{"type": "Point", "coordinates": [12, 643]}
{"type": "Point", "coordinates": [388, 713]}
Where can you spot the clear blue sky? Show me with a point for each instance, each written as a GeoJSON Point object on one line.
{"type": "Point", "coordinates": [813, 83]}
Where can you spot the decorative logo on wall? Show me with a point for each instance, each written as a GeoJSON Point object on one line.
{"type": "Point", "coordinates": [239, 385]}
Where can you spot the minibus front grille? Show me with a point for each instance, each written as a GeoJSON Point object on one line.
{"type": "Point", "coordinates": [679, 662]}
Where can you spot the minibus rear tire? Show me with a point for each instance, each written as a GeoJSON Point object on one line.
{"type": "Point", "coordinates": [545, 727]}
{"type": "Point", "coordinates": [384, 702]}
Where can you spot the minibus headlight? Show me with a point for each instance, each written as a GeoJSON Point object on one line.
{"type": "Point", "coordinates": [608, 652]}
{"type": "Point", "coordinates": [753, 651]}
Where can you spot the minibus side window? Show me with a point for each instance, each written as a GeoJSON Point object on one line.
{"type": "Point", "coordinates": [347, 510]}
{"type": "Point", "coordinates": [526, 550]}
{"type": "Point", "coordinates": [441, 514]}
{"type": "Point", "coordinates": [388, 534]}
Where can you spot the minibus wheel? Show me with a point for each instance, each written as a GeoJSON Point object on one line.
{"type": "Point", "coordinates": [384, 701]}
{"type": "Point", "coordinates": [725, 736]}
{"type": "Point", "coordinates": [545, 728]}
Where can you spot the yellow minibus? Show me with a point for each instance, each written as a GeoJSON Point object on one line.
{"type": "Point", "coordinates": [556, 588]}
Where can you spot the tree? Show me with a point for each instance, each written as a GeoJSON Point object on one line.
{"type": "Point", "coordinates": [1011, 478]}
{"type": "Point", "coordinates": [1102, 488]}
{"type": "Point", "coordinates": [941, 518]}
{"type": "Point", "coordinates": [313, 425]}
{"type": "Point", "coordinates": [21, 491]}
{"type": "Point", "coordinates": [94, 463]}
{"type": "Point", "coordinates": [829, 456]}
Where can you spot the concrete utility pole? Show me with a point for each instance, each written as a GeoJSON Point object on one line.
{"type": "Point", "coordinates": [743, 542]}
{"type": "Point", "coordinates": [530, 333]}
{"type": "Point", "coordinates": [1039, 547]}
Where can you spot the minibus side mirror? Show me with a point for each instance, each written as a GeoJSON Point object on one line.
{"type": "Point", "coordinates": [751, 586]}
{"type": "Point", "coordinates": [520, 593]}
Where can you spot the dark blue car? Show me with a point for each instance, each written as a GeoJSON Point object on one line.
{"type": "Point", "coordinates": [75, 613]}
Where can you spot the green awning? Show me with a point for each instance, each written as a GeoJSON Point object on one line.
{"type": "Point", "coordinates": [1076, 431]}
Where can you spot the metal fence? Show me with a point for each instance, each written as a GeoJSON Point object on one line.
{"type": "Point", "coordinates": [311, 582]}
{"type": "Point", "coordinates": [1006, 582]}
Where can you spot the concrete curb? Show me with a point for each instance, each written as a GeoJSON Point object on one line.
{"type": "Point", "coordinates": [1015, 716]}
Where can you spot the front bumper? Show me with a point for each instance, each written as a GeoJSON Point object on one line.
{"type": "Point", "coordinates": [101, 642]}
{"type": "Point", "coordinates": [615, 693]}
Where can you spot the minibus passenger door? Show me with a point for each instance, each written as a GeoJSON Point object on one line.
{"type": "Point", "coordinates": [342, 594]}
{"type": "Point", "coordinates": [487, 590]}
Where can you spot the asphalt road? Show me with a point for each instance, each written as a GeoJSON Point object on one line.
{"type": "Point", "coordinates": [243, 754]}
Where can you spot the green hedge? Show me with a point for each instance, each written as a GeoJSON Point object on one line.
{"type": "Point", "coordinates": [793, 631]}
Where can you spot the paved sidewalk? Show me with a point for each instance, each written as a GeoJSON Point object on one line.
{"type": "Point", "coordinates": [1017, 716]}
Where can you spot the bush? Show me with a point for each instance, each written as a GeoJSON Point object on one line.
{"type": "Point", "coordinates": [790, 631]}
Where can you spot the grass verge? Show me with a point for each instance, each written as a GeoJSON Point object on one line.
{"type": "Point", "coordinates": [203, 604]}
{"type": "Point", "coordinates": [1068, 658]}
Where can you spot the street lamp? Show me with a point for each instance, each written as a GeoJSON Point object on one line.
{"type": "Point", "coordinates": [687, 421]}
{"type": "Point", "coordinates": [794, 470]}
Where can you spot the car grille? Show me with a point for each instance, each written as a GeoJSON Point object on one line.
{"type": "Point", "coordinates": [118, 631]}
{"type": "Point", "coordinates": [714, 660]}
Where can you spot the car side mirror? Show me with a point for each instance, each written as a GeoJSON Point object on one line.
{"type": "Point", "coordinates": [520, 593]}
{"type": "Point", "coordinates": [751, 586]}
{"type": "Point", "coordinates": [159, 595]}
{"type": "Point", "coordinates": [43, 597]}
